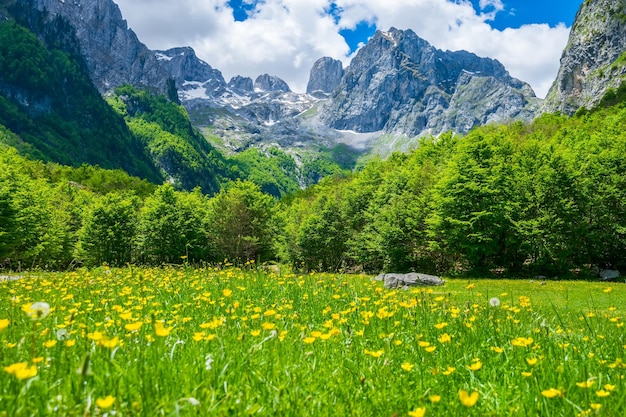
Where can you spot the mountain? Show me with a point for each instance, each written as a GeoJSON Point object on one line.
{"type": "Point", "coordinates": [324, 77]}
{"type": "Point", "coordinates": [398, 83]}
{"type": "Point", "coordinates": [594, 60]}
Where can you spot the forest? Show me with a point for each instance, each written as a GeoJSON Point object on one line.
{"type": "Point", "coordinates": [541, 198]}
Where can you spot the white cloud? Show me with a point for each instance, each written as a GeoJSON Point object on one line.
{"type": "Point", "coordinates": [285, 37]}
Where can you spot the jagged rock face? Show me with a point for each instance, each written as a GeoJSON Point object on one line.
{"type": "Point", "coordinates": [399, 83]}
{"type": "Point", "coordinates": [325, 76]}
{"type": "Point", "coordinates": [193, 77]}
{"type": "Point", "coordinates": [113, 53]}
{"type": "Point", "coordinates": [244, 84]}
{"type": "Point", "coordinates": [594, 59]}
{"type": "Point", "coordinates": [270, 83]}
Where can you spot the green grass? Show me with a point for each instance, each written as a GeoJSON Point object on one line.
{"type": "Point", "coordinates": [233, 342]}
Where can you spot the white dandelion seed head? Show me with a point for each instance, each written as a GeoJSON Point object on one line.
{"type": "Point", "coordinates": [62, 334]}
{"type": "Point", "coordinates": [208, 363]}
{"type": "Point", "coordinates": [494, 302]}
{"type": "Point", "coordinates": [38, 310]}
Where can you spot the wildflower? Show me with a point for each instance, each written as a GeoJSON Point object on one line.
{"type": "Point", "coordinates": [227, 292]}
{"type": "Point", "coordinates": [497, 349]}
{"type": "Point", "coordinates": [445, 338]}
{"type": "Point", "coordinates": [468, 399]}
{"type": "Point", "coordinates": [160, 330]}
{"type": "Point", "coordinates": [607, 290]}
{"type": "Point", "coordinates": [475, 366]}
{"type": "Point", "coordinates": [522, 341]}
{"type": "Point", "coordinates": [105, 403]}
{"type": "Point", "coordinates": [268, 326]}
{"type": "Point", "coordinates": [609, 387]}
{"type": "Point", "coordinates": [527, 374]}
{"type": "Point", "coordinates": [440, 326]}
{"type": "Point", "coordinates": [585, 384]}
{"type": "Point", "coordinates": [255, 333]}
{"type": "Point", "coordinates": [407, 366]}
{"type": "Point", "coordinates": [133, 327]}
{"type": "Point", "coordinates": [531, 361]}
{"type": "Point", "coordinates": [50, 343]}
{"type": "Point", "coordinates": [374, 354]}
{"type": "Point", "coordinates": [595, 406]}
{"type": "Point", "coordinates": [4, 323]}
{"type": "Point", "coordinates": [602, 393]}
{"type": "Point", "coordinates": [70, 343]}
{"type": "Point", "coordinates": [62, 334]}
{"type": "Point", "coordinates": [430, 349]}
{"type": "Point", "coordinates": [110, 343]}
{"type": "Point", "coordinates": [435, 398]}
{"type": "Point", "coordinates": [552, 392]}
{"type": "Point", "coordinates": [21, 370]}
{"type": "Point", "coordinates": [308, 340]}
{"type": "Point", "coordinates": [470, 286]}
{"type": "Point", "coordinates": [418, 412]}
{"type": "Point", "coordinates": [208, 362]}
{"type": "Point", "coordinates": [38, 310]}
{"type": "Point", "coordinates": [449, 371]}
{"type": "Point", "coordinates": [494, 302]}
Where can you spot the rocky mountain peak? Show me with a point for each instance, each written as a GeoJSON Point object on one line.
{"type": "Point", "coordinates": [399, 83]}
{"type": "Point", "coordinates": [112, 52]}
{"type": "Point", "coordinates": [594, 59]}
{"type": "Point", "coordinates": [325, 76]}
{"type": "Point", "coordinates": [270, 83]}
{"type": "Point", "coordinates": [240, 83]}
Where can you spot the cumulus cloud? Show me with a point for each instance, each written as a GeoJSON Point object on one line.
{"type": "Point", "coordinates": [285, 37]}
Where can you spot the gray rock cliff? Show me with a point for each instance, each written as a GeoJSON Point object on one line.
{"type": "Point", "coordinates": [399, 83]}
{"type": "Point", "coordinates": [113, 53]}
{"type": "Point", "coordinates": [270, 83]}
{"type": "Point", "coordinates": [325, 76]}
{"type": "Point", "coordinates": [594, 59]}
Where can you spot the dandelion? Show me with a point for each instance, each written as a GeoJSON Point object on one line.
{"type": "Point", "coordinates": [255, 333]}
{"type": "Point", "coordinates": [522, 341]}
{"type": "Point", "coordinates": [308, 340]}
{"type": "Point", "coordinates": [407, 366]}
{"type": "Point", "coordinates": [21, 370]}
{"type": "Point", "coordinates": [445, 338]}
{"type": "Point", "coordinates": [609, 387]}
{"type": "Point", "coordinates": [531, 361]}
{"type": "Point", "coordinates": [475, 366]}
{"type": "Point", "coordinates": [585, 384]}
{"type": "Point", "coordinates": [106, 402]}
{"type": "Point", "coordinates": [227, 292]}
{"type": "Point", "coordinates": [527, 374]}
{"type": "Point", "coordinates": [430, 349]}
{"type": "Point", "coordinates": [418, 412]}
{"type": "Point", "coordinates": [133, 327]}
{"type": "Point", "coordinates": [4, 323]}
{"type": "Point", "coordinates": [595, 406]}
{"type": "Point", "coordinates": [494, 302]}
{"type": "Point", "coordinates": [50, 343]}
{"type": "Point", "coordinates": [607, 290]}
{"type": "Point", "coordinates": [497, 349]}
{"type": "Point", "coordinates": [552, 392]}
{"type": "Point", "coordinates": [435, 398]}
{"type": "Point", "coordinates": [440, 326]}
{"type": "Point", "coordinates": [268, 326]}
{"type": "Point", "coordinates": [38, 310]}
{"type": "Point", "coordinates": [467, 399]}
{"type": "Point", "coordinates": [160, 330]}
{"type": "Point", "coordinates": [602, 393]}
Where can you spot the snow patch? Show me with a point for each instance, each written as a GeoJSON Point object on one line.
{"type": "Point", "coordinates": [162, 57]}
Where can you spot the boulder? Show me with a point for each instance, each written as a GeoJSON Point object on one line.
{"type": "Point", "coordinates": [412, 279]}
{"type": "Point", "coordinates": [609, 274]}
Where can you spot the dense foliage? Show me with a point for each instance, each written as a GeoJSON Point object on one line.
{"type": "Point", "coordinates": [548, 197]}
{"type": "Point", "coordinates": [47, 99]}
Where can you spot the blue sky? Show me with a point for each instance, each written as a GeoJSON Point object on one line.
{"type": "Point", "coordinates": [285, 37]}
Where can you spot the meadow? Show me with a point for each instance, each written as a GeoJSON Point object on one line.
{"type": "Point", "coordinates": [183, 342]}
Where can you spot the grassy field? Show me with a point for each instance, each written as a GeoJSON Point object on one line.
{"type": "Point", "coordinates": [181, 342]}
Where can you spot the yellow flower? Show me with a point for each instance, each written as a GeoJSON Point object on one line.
{"type": "Point", "coordinates": [70, 343]}
{"type": "Point", "coordinates": [497, 349]}
{"type": "Point", "coordinates": [440, 326]}
{"type": "Point", "coordinates": [475, 366]}
{"type": "Point", "coordinates": [527, 374]}
{"type": "Point", "coordinates": [448, 371]}
{"type": "Point", "coordinates": [95, 336]}
{"type": "Point", "coordinates": [585, 384]}
{"type": "Point", "coordinates": [4, 323]}
{"type": "Point", "coordinates": [602, 393]}
{"type": "Point", "coordinates": [595, 406]}
{"type": "Point", "coordinates": [37, 311]}
{"type": "Point", "coordinates": [552, 392]}
{"type": "Point", "coordinates": [445, 338]}
{"type": "Point", "coordinates": [607, 290]}
{"type": "Point", "coordinates": [21, 370]}
{"type": "Point", "coordinates": [531, 361]}
{"type": "Point", "coordinates": [133, 327]}
{"type": "Point", "coordinates": [470, 286]}
{"type": "Point", "coordinates": [609, 387]}
{"type": "Point", "coordinates": [227, 292]}
{"type": "Point", "coordinates": [308, 340]}
{"type": "Point", "coordinates": [522, 341]}
{"type": "Point", "coordinates": [255, 333]}
{"type": "Point", "coordinates": [110, 343]}
{"type": "Point", "coordinates": [418, 412]}
{"type": "Point", "coordinates": [50, 343]}
{"type": "Point", "coordinates": [407, 366]}
{"type": "Point", "coordinates": [160, 330]}
{"type": "Point", "coordinates": [106, 402]}
{"type": "Point", "coordinates": [268, 326]}
{"type": "Point", "coordinates": [435, 398]}
{"type": "Point", "coordinates": [374, 354]}
{"type": "Point", "coordinates": [430, 349]}
{"type": "Point", "coordinates": [468, 399]}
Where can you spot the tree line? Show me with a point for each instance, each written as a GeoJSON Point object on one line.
{"type": "Point", "coordinates": [547, 197]}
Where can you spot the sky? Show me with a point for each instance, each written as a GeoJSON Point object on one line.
{"type": "Point", "coordinates": [285, 37]}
